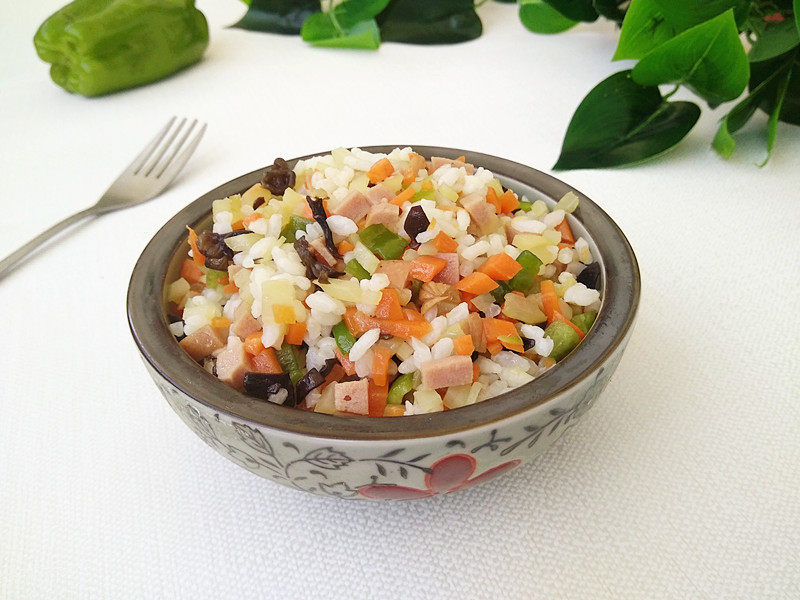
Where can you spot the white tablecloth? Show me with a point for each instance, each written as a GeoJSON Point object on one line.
{"type": "Point", "coordinates": [682, 482]}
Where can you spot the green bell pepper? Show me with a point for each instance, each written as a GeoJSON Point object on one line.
{"type": "Point", "coordinates": [292, 362]}
{"type": "Point", "coordinates": [354, 268]}
{"type": "Point", "coordinates": [381, 241]}
{"type": "Point", "coordinates": [564, 339]}
{"type": "Point", "coordinates": [524, 280]}
{"type": "Point", "coordinates": [101, 46]}
{"type": "Point", "coordinates": [295, 224]}
{"type": "Point", "coordinates": [213, 276]}
{"type": "Point", "coordinates": [400, 387]}
{"type": "Point", "coordinates": [584, 321]}
{"type": "Point", "coordinates": [344, 337]}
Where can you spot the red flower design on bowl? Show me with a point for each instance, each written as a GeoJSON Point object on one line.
{"type": "Point", "coordinates": [448, 474]}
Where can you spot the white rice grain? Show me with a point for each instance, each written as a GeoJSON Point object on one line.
{"type": "Point", "coordinates": [364, 343]}
{"type": "Point", "coordinates": [341, 225]}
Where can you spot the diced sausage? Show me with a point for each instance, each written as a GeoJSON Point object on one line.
{"type": "Point", "coordinates": [353, 396]}
{"type": "Point", "coordinates": [450, 273]}
{"type": "Point", "coordinates": [202, 342]}
{"type": "Point", "coordinates": [320, 248]}
{"type": "Point", "coordinates": [438, 161]}
{"type": "Point", "coordinates": [233, 362]}
{"type": "Point", "coordinates": [480, 210]}
{"type": "Point", "coordinates": [243, 321]}
{"type": "Point", "coordinates": [354, 206]}
{"type": "Point", "coordinates": [396, 271]}
{"type": "Point", "coordinates": [379, 193]}
{"type": "Point", "coordinates": [385, 213]}
{"type": "Point", "coordinates": [444, 372]}
{"type": "Point", "coordinates": [417, 162]}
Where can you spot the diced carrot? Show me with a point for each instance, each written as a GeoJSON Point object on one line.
{"type": "Point", "coordinates": [305, 212]}
{"type": "Point", "coordinates": [295, 333]}
{"type": "Point", "coordinates": [347, 364]}
{"type": "Point", "coordinates": [267, 361]}
{"type": "Point", "coordinates": [283, 314]}
{"type": "Point", "coordinates": [444, 243]}
{"type": "Point", "coordinates": [494, 347]}
{"type": "Point", "coordinates": [380, 364]}
{"type": "Point", "coordinates": [496, 330]}
{"type": "Point", "coordinates": [237, 225]}
{"type": "Point", "coordinates": [191, 272]}
{"type": "Point", "coordinates": [377, 399]}
{"type": "Point", "coordinates": [425, 268]}
{"type": "Point", "coordinates": [359, 323]}
{"type": "Point", "coordinates": [566, 232]}
{"type": "Point", "coordinates": [413, 314]}
{"type": "Point", "coordinates": [197, 256]}
{"type": "Point", "coordinates": [406, 194]}
{"type": "Point", "coordinates": [254, 216]}
{"type": "Point", "coordinates": [394, 410]}
{"type": "Point", "coordinates": [344, 247]}
{"type": "Point", "coordinates": [389, 307]}
{"type": "Point", "coordinates": [477, 283]}
{"type": "Point", "coordinates": [380, 170]}
{"type": "Point", "coordinates": [464, 345]}
{"type": "Point", "coordinates": [476, 372]}
{"type": "Point", "coordinates": [549, 300]}
{"type": "Point", "coordinates": [462, 158]}
{"type": "Point", "coordinates": [500, 267]}
{"type": "Point", "coordinates": [509, 202]}
{"type": "Point", "coordinates": [253, 344]}
{"type": "Point", "coordinates": [220, 322]}
{"type": "Point", "coordinates": [409, 175]}
{"type": "Point", "coordinates": [230, 288]}
{"type": "Point", "coordinates": [223, 281]}
{"type": "Point", "coordinates": [491, 198]}
{"type": "Point", "coordinates": [426, 186]}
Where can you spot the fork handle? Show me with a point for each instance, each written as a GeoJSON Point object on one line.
{"type": "Point", "coordinates": [12, 260]}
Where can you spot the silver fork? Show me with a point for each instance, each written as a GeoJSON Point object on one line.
{"type": "Point", "coordinates": [143, 179]}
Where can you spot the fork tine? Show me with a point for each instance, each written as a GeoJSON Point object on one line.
{"type": "Point", "coordinates": [154, 161]}
{"type": "Point", "coordinates": [175, 150]}
{"type": "Point", "coordinates": [175, 167]}
{"type": "Point", "coordinates": [139, 161]}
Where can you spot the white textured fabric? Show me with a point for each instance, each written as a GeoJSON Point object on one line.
{"type": "Point", "coordinates": [682, 482]}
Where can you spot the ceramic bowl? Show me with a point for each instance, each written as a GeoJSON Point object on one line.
{"type": "Point", "coordinates": [398, 458]}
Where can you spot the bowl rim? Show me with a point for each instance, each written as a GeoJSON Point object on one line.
{"type": "Point", "coordinates": [157, 345]}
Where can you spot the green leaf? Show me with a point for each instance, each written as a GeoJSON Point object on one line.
{"type": "Point", "coordinates": [540, 17]}
{"type": "Point", "coordinates": [320, 30]}
{"type": "Point", "coordinates": [575, 10]}
{"type": "Point", "coordinates": [772, 124]}
{"type": "Point", "coordinates": [277, 16]}
{"type": "Point", "coordinates": [649, 23]}
{"type": "Point", "coordinates": [740, 114]}
{"type": "Point", "coordinates": [761, 71]}
{"type": "Point", "coordinates": [774, 39]}
{"type": "Point", "coordinates": [610, 9]}
{"type": "Point", "coordinates": [644, 28]}
{"type": "Point", "coordinates": [796, 10]}
{"type": "Point", "coordinates": [430, 21]}
{"type": "Point", "coordinates": [708, 58]}
{"type": "Point", "coordinates": [621, 122]}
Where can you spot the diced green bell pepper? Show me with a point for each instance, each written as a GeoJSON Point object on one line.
{"type": "Point", "coordinates": [564, 339]}
{"type": "Point", "coordinates": [343, 336]}
{"type": "Point", "coordinates": [524, 280]}
{"type": "Point", "coordinates": [500, 291]}
{"type": "Point", "coordinates": [101, 46]}
{"type": "Point", "coordinates": [525, 206]}
{"type": "Point", "coordinates": [381, 241]}
{"type": "Point", "coordinates": [354, 268]}
{"type": "Point", "coordinates": [291, 361]}
{"type": "Point", "coordinates": [584, 321]}
{"type": "Point", "coordinates": [213, 276]}
{"type": "Point", "coordinates": [295, 224]}
{"type": "Point", "coordinates": [400, 387]}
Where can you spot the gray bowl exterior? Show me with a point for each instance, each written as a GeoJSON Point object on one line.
{"type": "Point", "coordinates": [411, 457]}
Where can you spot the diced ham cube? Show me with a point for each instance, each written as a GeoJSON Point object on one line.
{"type": "Point", "coordinates": [396, 271]}
{"type": "Point", "coordinates": [480, 210]}
{"type": "Point", "coordinates": [320, 248]}
{"type": "Point", "coordinates": [385, 213]}
{"type": "Point", "coordinates": [379, 193]}
{"type": "Point", "coordinates": [243, 321]}
{"type": "Point", "coordinates": [233, 362]}
{"type": "Point", "coordinates": [203, 342]}
{"type": "Point", "coordinates": [353, 396]}
{"type": "Point", "coordinates": [438, 161]}
{"type": "Point", "coordinates": [450, 273]}
{"type": "Point", "coordinates": [354, 206]}
{"type": "Point", "coordinates": [417, 162]}
{"type": "Point", "coordinates": [445, 372]}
